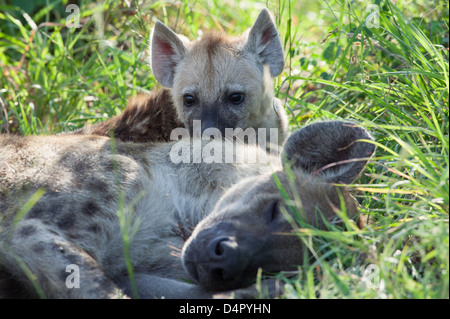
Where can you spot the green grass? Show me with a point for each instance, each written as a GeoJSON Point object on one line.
{"type": "Point", "coordinates": [393, 78]}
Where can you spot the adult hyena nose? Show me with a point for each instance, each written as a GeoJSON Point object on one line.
{"type": "Point", "coordinates": [223, 248]}
{"type": "Point", "coordinates": [224, 260]}
{"type": "Point", "coordinates": [217, 260]}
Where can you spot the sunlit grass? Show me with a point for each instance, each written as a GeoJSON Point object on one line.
{"type": "Point", "coordinates": [391, 75]}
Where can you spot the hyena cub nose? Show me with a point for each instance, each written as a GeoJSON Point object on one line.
{"type": "Point", "coordinates": [223, 82]}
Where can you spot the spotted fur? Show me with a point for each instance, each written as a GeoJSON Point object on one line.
{"type": "Point", "coordinates": [74, 200]}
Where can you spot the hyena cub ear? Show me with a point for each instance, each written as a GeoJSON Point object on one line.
{"type": "Point", "coordinates": [264, 42]}
{"type": "Point", "coordinates": [336, 150]}
{"type": "Point", "coordinates": [167, 50]}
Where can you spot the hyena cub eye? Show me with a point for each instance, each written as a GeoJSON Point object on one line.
{"type": "Point", "coordinates": [236, 98]}
{"type": "Point", "coordinates": [189, 100]}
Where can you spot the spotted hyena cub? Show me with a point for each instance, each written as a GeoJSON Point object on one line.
{"type": "Point", "coordinates": [77, 212]}
{"type": "Point", "coordinates": [220, 81]}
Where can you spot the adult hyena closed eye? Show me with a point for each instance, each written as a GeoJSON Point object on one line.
{"type": "Point", "coordinates": [224, 218]}
{"type": "Point", "coordinates": [221, 81]}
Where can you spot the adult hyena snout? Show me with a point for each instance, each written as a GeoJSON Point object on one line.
{"type": "Point", "coordinates": [219, 261]}
{"type": "Point", "coordinates": [224, 259]}
{"type": "Point", "coordinates": [223, 248]}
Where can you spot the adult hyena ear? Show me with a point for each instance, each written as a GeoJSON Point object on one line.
{"type": "Point", "coordinates": [264, 41]}
{"type": "Point", "coordinates": [167, 50]}
{"type": "Point", "coordinates": [336, 150]}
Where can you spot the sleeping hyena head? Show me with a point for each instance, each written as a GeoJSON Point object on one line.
{"type": "Point", "coordinates": [81, 201]}
{"type": "Point", "coordinates": [222, 81]}
{"type": "Point", "coordinates": [253, 225]}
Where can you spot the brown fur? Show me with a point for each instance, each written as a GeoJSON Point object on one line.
{"type": "Point", "coordinates": [147, 118]}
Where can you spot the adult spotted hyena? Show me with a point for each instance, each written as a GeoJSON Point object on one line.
{"type": "Point", "coordinates": [221, 81]}
{"type": "Point", "coordinates": [76, 201]}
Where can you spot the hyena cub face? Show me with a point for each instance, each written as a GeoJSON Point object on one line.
{"type": "Point", "coordinates": [224, 82]}
{"type": "Point", "coordinates": [252, 225]}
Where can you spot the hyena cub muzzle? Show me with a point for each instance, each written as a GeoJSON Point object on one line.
{"type": "Point", "coordinates": [223, 82]}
